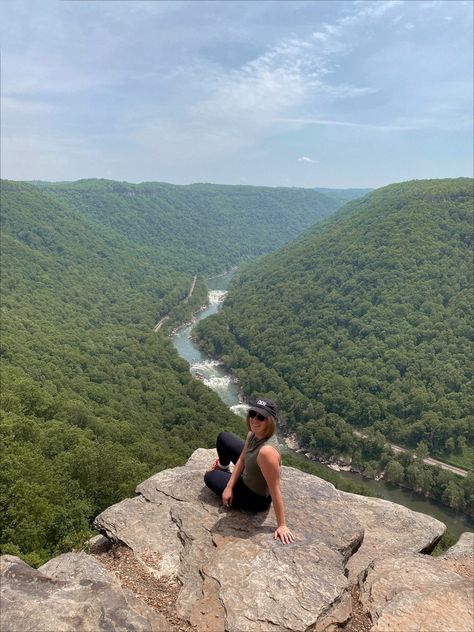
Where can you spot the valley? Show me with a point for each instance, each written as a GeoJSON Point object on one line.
{"type": "Point", "coordinates": [94, 400]}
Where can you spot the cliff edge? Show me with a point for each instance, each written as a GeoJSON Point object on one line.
{"type": "Point", "coordinates": [176, 560]}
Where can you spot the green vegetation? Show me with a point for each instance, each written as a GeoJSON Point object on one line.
{"type": "Point", "coordinates": [343, 195]}
{"type": "Point", "coordinates": [365, 322]}
{"type": "Point", "coordinates": [447, 541]}
{"type": "Point", "coordinates": [200, 228]}
{"type": "Point", "coordinates": [92, 400]}
{"type": "Point", "coordinates": [463, 458]}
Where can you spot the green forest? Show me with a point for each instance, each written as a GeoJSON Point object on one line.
{"type": "Point", "coordinates": [365, 323]}
{"type": "Point", "coordinates": [198, 228]}
{"type": "Point", "coordinates": [92, 400]}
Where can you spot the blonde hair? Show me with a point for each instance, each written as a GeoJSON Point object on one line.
{"type": "Point", "coordinates": [271, 426]}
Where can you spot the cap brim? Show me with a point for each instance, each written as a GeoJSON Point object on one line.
{"type": "Point", "coordinates": [262, 411]}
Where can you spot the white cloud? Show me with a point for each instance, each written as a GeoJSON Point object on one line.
{"type": "Point", "coordinates": [326, 122]}
{"type": "Point", "coordinates": [306, 159]}
{"type": "Point", "coordinates": [238, 107]}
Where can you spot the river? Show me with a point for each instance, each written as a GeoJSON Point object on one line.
{"type": "Point", "coordinates": [215, 376]}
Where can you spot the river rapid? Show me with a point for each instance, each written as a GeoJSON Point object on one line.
{"type": "Point", "coordinates": [213, 374]}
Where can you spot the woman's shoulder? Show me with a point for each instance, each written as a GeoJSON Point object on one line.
{"type": "Point", "coordinates": [270, 451]}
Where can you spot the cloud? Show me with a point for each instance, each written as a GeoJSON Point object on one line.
{"type": "Point", "coordinates": [331, 123]}
{"type": "Point", "coordinates": [238, 107]}
{"type": "Point", "coordinates": [306, 159]}
{"type": "Point", "coordinates": [224, 109]}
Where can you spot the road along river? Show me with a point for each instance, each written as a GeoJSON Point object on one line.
{"type": "Point", "coordinates": [213, 374]}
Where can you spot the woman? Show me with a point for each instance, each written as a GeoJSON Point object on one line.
{"type": "Point", "coordinates": [255, 481]}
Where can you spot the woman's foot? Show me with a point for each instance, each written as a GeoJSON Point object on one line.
{"type": "Point", "coordinates": [217, 466]}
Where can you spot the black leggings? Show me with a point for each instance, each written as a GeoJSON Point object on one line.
{"type": "Point", "coordinates": [229, 448]}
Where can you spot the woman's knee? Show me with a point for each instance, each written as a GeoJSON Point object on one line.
{"type": "Point", "coordinates": [223, 439]}
{"type": "Point", "coordinates": [216, 481]}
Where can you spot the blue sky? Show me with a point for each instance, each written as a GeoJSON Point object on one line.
{"type": "Point", "coordinates": [331, 94]}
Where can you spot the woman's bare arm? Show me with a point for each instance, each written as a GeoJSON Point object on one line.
{"type": "Point", "coordinates": [269, 462]}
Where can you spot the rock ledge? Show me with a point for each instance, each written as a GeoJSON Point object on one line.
{"type": "Point", "coordinates": [232, 576]}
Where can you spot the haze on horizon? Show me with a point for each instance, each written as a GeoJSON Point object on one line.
{"type": "Point", "coordinates": [308, 94]}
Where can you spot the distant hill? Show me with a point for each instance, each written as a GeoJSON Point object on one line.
{"type": "Point", "coordinates": [366, 319]}
{"type": "Point", "coordinates": [199, 228]}
{"type": "Point", "coordinates": [343, 195]}
{"type": "Point", "coordinates": [92, 400]}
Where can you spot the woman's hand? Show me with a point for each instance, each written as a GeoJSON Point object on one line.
{"type": "Point", "coordinates": [284, 534]}
{"type": "Point", "coordinates": [227, 495]}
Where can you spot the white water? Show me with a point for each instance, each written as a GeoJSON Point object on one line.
{"type": "Point", "coordinates": [216, 296]}
{"type": "Point", "coordinates": [211, 372]}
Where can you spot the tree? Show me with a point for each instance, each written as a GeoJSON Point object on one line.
{"type": "Point", "coordinates": [414, 474]}
{"type": "Point", "coordinates": [450, 445]}
{"type": "Point", "coordinates": [453, 495]}
{"type": "Point", "coordinates": [394, 472]}
{"type": "Point", "coordinates": [421, 451]}
{"type": "Point", "coordinates": [370, 469]}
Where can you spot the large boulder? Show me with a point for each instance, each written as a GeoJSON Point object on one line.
{"type": "Point", "coordinates": [226, 573]}
{"type": "Point", "coordinates": [390, 530]}
{"type": "Point", "coordinates": [464, 547]}
{"type": "Point", "coordinates": [71, 592]}
{"type": "Point", "coordinates": [417, 592]}
{"type": "Point", "coordinates": [234, 575]}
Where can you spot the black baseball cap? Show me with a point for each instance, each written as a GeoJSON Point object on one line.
{"type": "Point", "coordinates": [264, 406]}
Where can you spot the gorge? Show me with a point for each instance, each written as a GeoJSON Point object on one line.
{"type": "Point", "coordinates": [94, 401]}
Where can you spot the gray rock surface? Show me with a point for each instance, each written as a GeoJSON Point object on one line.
{"type": "Point", "coordinates": [98, 544]}
{"type": "Point", "coordinates": [417, 593]}
{"type": "Point", "coordinates": [390, 529]}
{"type": "Point", "coordinates": [234, 575]}
{"type": "Point", "coordinates": [463, 547]}
{"type": "Point", "coordinates": [231, 568]}
{"type": "Point", "coordinates": [70, 593]}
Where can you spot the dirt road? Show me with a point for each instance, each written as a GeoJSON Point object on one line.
{"type": "Point", "coordinates": [429, 461]}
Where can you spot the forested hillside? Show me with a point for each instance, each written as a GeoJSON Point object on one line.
{"type": "Point", "coordinates": [365, 322]}
{"type": "Point", "coordinates": [199, 228]}
{"type": "Point", "coordinates": [93, 401]}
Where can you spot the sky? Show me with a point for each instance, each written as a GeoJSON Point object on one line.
{"type": "Point", "coordinates": [300, 94]}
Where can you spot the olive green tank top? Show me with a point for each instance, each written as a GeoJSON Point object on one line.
{"type": "Point", "coordinates": [252, 475]}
